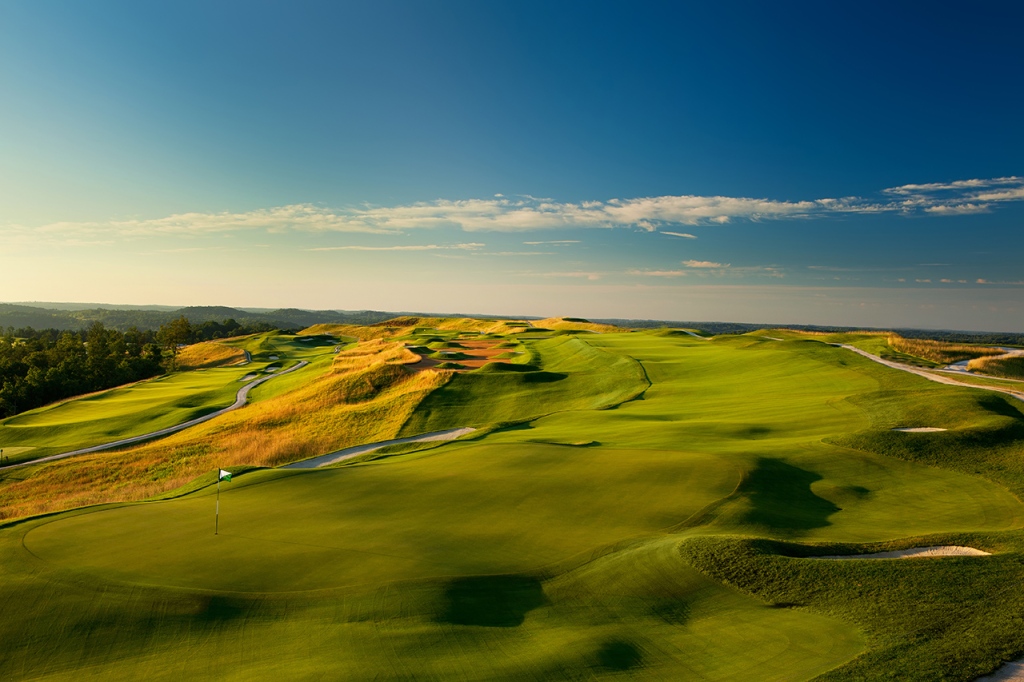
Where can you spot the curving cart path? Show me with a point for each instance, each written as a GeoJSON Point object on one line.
{"type": "Point", "coordinates": [241, 398]}
{"type": "Point", "coordinates": [349, 453]}
{"type": "Point", "coordinates": [1019, 395]}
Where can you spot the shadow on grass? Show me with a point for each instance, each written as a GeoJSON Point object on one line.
{"type": "Point", "coordinates": [497, 601]}
{"type": "Point", "coordinates": [618, 654]}
{"type": "Point", "coordinates": [781, 497]}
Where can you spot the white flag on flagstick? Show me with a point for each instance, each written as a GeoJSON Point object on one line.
{"type": "Point", "coordinates": [224, 476]}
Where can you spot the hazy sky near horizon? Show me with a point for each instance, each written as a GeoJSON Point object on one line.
{"type": "Point", "coordinates": [745, 161]}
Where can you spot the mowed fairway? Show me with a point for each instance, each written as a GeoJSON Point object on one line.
{"type": "Point", "coordinates": [158, 403]}
{"type": "Point", "coordinates": [557, 548]}
{"type": "Point", "coordinates": [122, 412]}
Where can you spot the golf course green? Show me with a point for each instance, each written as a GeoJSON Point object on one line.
{"type": "Point", "coordinates": [634, 505]}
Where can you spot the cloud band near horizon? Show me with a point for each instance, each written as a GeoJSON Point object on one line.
{"type": "Point", "coordinates": [503, 214]}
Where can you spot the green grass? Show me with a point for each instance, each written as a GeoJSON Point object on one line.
{"type": "Point", "coordinates": [158, 403]}
{"type": "Point", "coordinates": [122, 412]}
{"type": "Point", "coordinates": [649, 515]}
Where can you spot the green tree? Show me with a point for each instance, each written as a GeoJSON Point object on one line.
{"type": "Point", "coordinates": [173, 335]}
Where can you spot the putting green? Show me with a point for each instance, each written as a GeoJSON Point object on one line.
{"type": "Point", "coordinates": [469, 510]}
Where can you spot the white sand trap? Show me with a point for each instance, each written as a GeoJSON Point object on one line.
{"type": "Point", "coordinates": [273, 357]}
{"type": "Point", "coordinates": [916, 553]}
{"type": "Point", "coordinates": [248, 377]}
{"type": "Point", "coordinates": [918, 429]}
{"type": "Point", "coordinates": [1009, 672]}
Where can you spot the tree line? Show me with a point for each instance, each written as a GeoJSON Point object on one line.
{"type": "Point", "coordinates": [38, 367]}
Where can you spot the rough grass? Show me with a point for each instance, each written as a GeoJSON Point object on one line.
{"type": "Point", "coordinates": [575, 324]}
{"type": "Point", "coordinates": [938, 351]}
{"type": "Point", "coordinates": [409, 325]}
{"type": "Point", "coordinates": [367, 395]}
{"type": "Point", "coordinates": [209, 354]}
{"type": "Point", "coordinates": [1010, 367]}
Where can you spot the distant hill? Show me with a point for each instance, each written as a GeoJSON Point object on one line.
{"type": "Point", "coordinates": [75, 316]}
{"type": "Point", "coordinates": [949, 335]}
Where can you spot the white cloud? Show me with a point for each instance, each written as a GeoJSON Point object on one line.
{"type": "Point", "coordinates": [526, 213]}
{"type": "Point", "coordinates": [957, 185]}
{"type": "Point", "coordinates": [704, 264]}
{"type": "Point", "coordinates": [957, 209]}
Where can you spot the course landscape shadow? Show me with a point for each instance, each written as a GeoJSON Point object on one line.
{"type": "Point", "coordinates": [781, 497]}
{"type": "Point", "coordinates": [497, 601]}
{"type": "Point", "coordinates": [618, 654]}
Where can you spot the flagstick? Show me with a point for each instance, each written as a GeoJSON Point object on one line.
{"type": "Point", "coordinates": [216, 523]}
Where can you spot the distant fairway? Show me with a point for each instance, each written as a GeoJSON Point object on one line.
{"type": "Point", "coordinates": [643, 516]}
{"type": "Point", "coordinates": [151, 405]}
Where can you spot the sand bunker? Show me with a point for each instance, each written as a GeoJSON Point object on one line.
{"type": "Point", "coordinates": [248, 377]}
{"type": "Point", "coordinates": [915, 553]}
{"type": "Point", "coordinates": [478, 354]}
{"type": "Point", "coordinates": [918, 429]}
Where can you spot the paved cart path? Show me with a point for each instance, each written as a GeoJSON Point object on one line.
{"type": "Point", "coordinates": [241, 398]}
{"type": "Point", "coordinates": [355, 451]}
{"type": "Point", "coordinates": [931, 376]}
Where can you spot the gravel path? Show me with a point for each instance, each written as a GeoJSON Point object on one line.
{"type": "Point", "coordinates": [349, 453]}
{"type": "Point", "coordinates": [241, 398]}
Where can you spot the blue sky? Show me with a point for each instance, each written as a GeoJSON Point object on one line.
{"type": "Point", "coordinates": [769, 162]}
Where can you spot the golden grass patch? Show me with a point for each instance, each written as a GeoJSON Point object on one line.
{"type": "Point", "coordinates": [574, 324]}
{"type": "Point", "coordinates": [208, 354]}
{"type": "Point", "coordinates": [1008, 366]}
{"type": "Point", "coordinates": [938, 351]}
{"type": "Point", "coordinates": [366, 397]}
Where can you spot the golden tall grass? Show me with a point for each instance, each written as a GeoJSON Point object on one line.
{"type": "Point", "coordinates": [208, 354]}
{"type": "Point", "coordinates": [407, 324]}
{"type": "Point", "coordinates": [563, 324]}
{"type": "Point", "coordinates": [1008, 366]}
{"type": "Point", "coordinates": [366, 396]}
{"type": "Point", "coordinates": [937, 351]}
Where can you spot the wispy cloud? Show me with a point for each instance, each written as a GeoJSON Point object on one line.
{"type": "Point", "coordinates": [658, 273]}
{"type": "Point", "coordinates": [554, 241]}
{"type": "Point", "coordinates": [704, 264]}
{"type": "Point", "coordinates": [526, 213]}
{"type": "Point", "coordinates": [958, 197]}
{"type": "Point", "coordinates": [408, 247]}
{"type": "Point", "coordinates": [592, 276]}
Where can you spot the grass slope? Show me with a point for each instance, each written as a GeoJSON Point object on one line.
{"type": "Point", "coordinates": [621, 532]}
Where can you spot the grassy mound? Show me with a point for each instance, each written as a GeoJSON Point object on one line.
{"type": "Point", "coordinates": [1010, 367]}
{"type": "Point", "coordinates": [209, 354]}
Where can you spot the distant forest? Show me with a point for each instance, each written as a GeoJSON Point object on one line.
{"type": "Point", "coordinates": [38, 367]}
